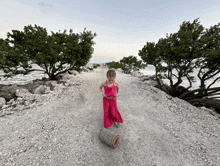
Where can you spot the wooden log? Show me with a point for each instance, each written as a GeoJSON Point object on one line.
{"type": "Point", "coordinates": [109, 137]}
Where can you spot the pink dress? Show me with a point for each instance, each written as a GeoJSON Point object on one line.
{"type": "Point", "coordinates": [111, 113]}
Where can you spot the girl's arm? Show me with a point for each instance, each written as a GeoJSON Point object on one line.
{"type": "Point", "coordinates": [117, 88]}
{"type": "Point", "coordinates": [101, 86]}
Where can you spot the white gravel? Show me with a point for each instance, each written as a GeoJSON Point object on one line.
{"type": "Point", "coordinates": [157, 129]}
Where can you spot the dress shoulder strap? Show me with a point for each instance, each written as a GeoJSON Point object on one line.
{"type": "Point", "coordinates": [107, 82]}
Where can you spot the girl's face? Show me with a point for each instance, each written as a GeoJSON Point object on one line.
{"type": "Point", "coordinates": [111, 79]}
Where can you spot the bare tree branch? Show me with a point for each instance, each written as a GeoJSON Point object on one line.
{"type": "Point", "coordinates": [213, 82]}
{"type": "Point", "coordinates": [213, 75]}
{"type": "Point", "coordinates": [189, 82]}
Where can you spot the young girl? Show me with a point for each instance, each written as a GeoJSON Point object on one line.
{"type": "Point", "coordinates": [111, 113]}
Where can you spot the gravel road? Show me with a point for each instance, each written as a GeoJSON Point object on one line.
{"type": "Point", "coordinates": [158, 130]}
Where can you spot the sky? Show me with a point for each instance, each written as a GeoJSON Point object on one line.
{"type": "Point", "coordinates": [123, 27]}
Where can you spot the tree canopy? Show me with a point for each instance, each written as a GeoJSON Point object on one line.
{"type": "Point", "coordinates": [127, 64]}
{"type": "Point", "coordinates": [55, 54]}
{"type": "Point", "coordinates": [179, 54]}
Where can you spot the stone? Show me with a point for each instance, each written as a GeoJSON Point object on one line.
{"type": "Point", "coordinates": [144, 78]}
{"type": "Point", "coordinates": [136, 74]}
{"type": "Point", "coordinates": [5, 106]}
{"type": "Point", "coordinates": [25, 95]}
{"type": "Point", "coordinates": [73, 72]}
{"type": "Point", "coordinates": [2, 102]}
{"type": "Point", "coordinates": [42, 89]}
{"type": "Point", "coordinates": [59, 87]}
{"type": "Point", "coordinates": [128, 72]}
{"type": "Point", "coordinates": [51, 84]}
{"type": "Point", "coordinates": [119, 70]}
{"type": "Point", "coordinates": [22, 92]}
{"type": "Point", "coordinates": [151, 82]}
{"type": "Point", "coordinates": [11, 101]}
{"type": "Point", "coordinates": [67, 84]}
{"type": "Point", "coordinates": [67, 76]}
{"type": "Point", "coordinates": [8, 91]}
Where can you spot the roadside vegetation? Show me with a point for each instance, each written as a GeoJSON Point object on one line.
{"type": "Point", "coordinates": [55, 54]}
{"type": "Point", "coordinates": [177, 56]}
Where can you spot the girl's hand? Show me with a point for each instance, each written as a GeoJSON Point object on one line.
{"type": "Point", "coordinates": [116, 97]}
{"type": "Point", "coordinates": [106, 96]}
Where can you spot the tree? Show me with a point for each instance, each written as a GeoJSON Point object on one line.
{"type": "Point", "coordinates": [209, 65]}
{"type": "Point", "coordinates": [9, 58]}
{"type": "Point", "coordinates": [131, 63]}
{"type": "Point", "coordinates": [114, 64]}
{"type": "Point", "coordinates": [150, 54]}
{"type": "Point", "coordinates": [51, 53]}
{"type": "Point", "coordinates": [127, 64]}
{"type": "Point", "coordinates": [181, 53]}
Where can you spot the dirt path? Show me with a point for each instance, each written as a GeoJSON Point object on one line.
{"type": "Point", "coordinates": [157, 129]}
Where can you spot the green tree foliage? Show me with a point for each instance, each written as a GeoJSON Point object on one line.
{"type": "Point", "coordinates": [9, 58]}
{"type": "Point", "coordinates": [131, 63]}
{"type": "Point", "coordinates": [56, 54]}
{"type": "Point", "coordinates": [114, 65]}
{"type": "Point", "coordinates": [176, 57]}
{"type": "Point", "coordinates": [127, 64]}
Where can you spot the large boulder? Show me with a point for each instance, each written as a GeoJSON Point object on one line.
{"type": "Point", "coordinates": [8, 91]}
{"type": "Point", "coordinates": [22, 96]}
{"type": "Point", "coordinates": [151, 82]}
{"type": "Point", "coordinates": [22, 93]}
{"type": "Point", "coordinates": [144, 78]}
{"type": "Point", "coordinates": [136, 74]}
{"type": "Point", "coordinates": [51, 84]}
{"type": "Point", "coordinates": [128, 71]}
{"type": "Point", "coordinates": [73, 72]}
{"type": "Point", "coordinates": [119, 70]}
{"type": "Point", "coordinates": [42, 89]}
{"type": "Point", "coordinates": [2, 102]}
{"type": "Point", "coordinates": [36, 83]}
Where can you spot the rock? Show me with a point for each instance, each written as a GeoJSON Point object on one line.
{"type": "Point", "coordinates": [67, 84]}
{"type": "Point", "coordinates": [11, 101]}
{"type": "Point", "coordinates": [51, 84]}
{"type": "Point", "coordinates": [5, 106]}
{"type": "Point", "coordinates": [59, 87]}
{"type": "Point", "coordinates": [20, 100]}
{"type": "Point", "coordinates": [128, 72]}
{"type": "Point", "coordinates": [73, 72]}
{"type": "Point", "coordinates": [136, 74]}
{"type": "Point", "coordinates": [36, 84]}
{"type": "Point", "coordinates": [42, 89]}
{"type": "Point", "coordinates": [66, 76]}
{"type": "Point", "coordinates": [144, 77]}
{"type": "Point", "coordinates": [8, 91]}
{"type": "Point", "coordinates": [119, 70]}
{"type": "Point", "coordinates": [24, 96]}
{"type": "Point", "coordinates": [22, 93]}
{"type": "Point", "coordinates": [2, 102]}
{"type": "Point", "coordinates": [151, 82]}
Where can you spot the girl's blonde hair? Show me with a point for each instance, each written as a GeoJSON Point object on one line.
{"type": "Point", "coordinates": [111, 73]}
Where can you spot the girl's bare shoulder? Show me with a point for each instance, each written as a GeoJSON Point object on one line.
{"type": "Point", "coordinates": [104, 83]}
{"type": "Point", "coordinates": [116, 84]}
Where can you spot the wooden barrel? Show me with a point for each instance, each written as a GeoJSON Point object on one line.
{"type": "Point", "coordinates": [109, 137]}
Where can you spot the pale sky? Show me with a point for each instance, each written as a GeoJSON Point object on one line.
{"type": "Point", "coordinates": [123, 26]}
